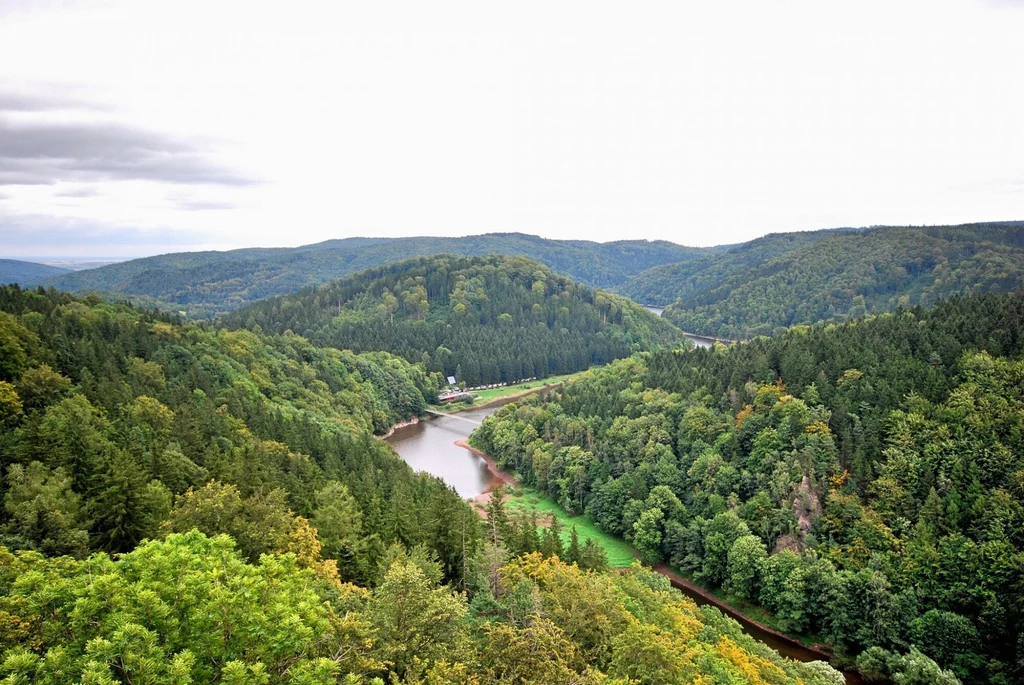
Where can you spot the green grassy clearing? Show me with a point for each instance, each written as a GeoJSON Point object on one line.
{"type": "Point", "coordinates": [620, 554]}
{"type": "Point", "coordinates": [482, 396]}
{"type": "Point", "coordinates": [494, 393]}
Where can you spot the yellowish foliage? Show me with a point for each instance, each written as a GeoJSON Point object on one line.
{"type": "Point", "coordinates": [751, 667]}
{"type": "Point", "coordinates": [818, 428]}
{"type": "Point", "coordinates": [743, 415]}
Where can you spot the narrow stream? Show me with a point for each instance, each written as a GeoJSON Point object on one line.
{"type": "Point", "coordinates": [430, 446]}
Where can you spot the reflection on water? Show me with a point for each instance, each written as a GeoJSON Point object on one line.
{"type": "Point", "coordinates": [430, 446]}
{"type": "Point", "coordinates": [700, 341]}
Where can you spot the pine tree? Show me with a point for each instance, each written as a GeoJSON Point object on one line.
{"type": "Point", "coordinates": [593, 557]}
{"type": "Point", "coordinates": [499, 528]}
{"type": "Point", "coordinates": [125, 509]}
{"type": "Point", "coordinates": [574, 553]}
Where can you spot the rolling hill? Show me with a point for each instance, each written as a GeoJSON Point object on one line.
{"type": "Point", "coordinates": [483, 319]}
{"type": "Point", "coordinates": [785, 279]}
{"type": "Point", "coordinates": [27, 273]}
{"type": "Point", "coordinates": [210, 283]}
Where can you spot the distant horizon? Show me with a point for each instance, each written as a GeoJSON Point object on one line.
{"type": "Point", "coordinates": [136, 129]}
{"type": "Point", "coordinates": [60, 259]}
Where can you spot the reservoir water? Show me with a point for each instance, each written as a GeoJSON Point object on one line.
{"type": "Point", "coordinates": [430, 446]}
{"type": "Point", "coordinates": [698, 340]}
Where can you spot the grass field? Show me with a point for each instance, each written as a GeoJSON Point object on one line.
{"type": "Point", "coordinates": [620, 554]}
{"type": "Point", "coordinates": [483, 396]}
{"type": "Point", "coordinates": [495, 393]}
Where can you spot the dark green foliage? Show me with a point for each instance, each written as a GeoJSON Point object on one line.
{"type": "Point", "coordinates": [123, 409]}
{"type": "Point", "coordinates": [785, 279]}
{"type": "Point", "coordinates": [482, 319]}
{"type": "Point", "coordinates": [864, 482]}
{"type": "Point", "coordinates": [208, 283]}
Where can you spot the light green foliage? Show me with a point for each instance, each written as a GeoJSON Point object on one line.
{"type": "Point", "coordinates": [41, 386]}
{"type": "Point", "coordinates": [647, 534]}
{"type": "Point", "coordinates": [43, 511]}
{"type": "Point", "coordinates": [745, 559]}
{"type": "Point", "coordinates": [913, 668]}
{"type": "Point", "coordinates": [862, 482]}
{"type": "Point", "coordinates": [417, 622]}
{"type": "Point", "coordinates": [10, 404]}
{"type": "Point", "coordinates": [189, 607]}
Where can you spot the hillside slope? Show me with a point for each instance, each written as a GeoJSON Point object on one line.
{"type": "Point", "coordinates": [27, 274]}
{"type": "Point", "coordinates": [482, 319]}
{"type": "Point", "coordinates": [793, 278]}
{"type": "Point", "coordinates": [209, 283]}
{"type": "Point", "coordinates": [187, 504]}
{"type": "Point", "coordinates": [863, 482]}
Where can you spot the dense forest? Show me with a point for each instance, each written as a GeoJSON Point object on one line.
{"type": "Point", "coordinates": [480, 319]}
{"type": "Point", "coordinates": [27, 273]}
{"type": "Point", "coordinates": [208, 283]}
{"type": "Point", "coordinates": [863, 482]}
{"type": "Point", "coordinates": [183, 503]}
{"type": "Point", "coordinates": [793, 278]}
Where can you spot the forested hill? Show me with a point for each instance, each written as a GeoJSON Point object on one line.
{"type": "Point", "coordinates": [184, 504]}
{"type": "Point", "coordinates": [208, 283]}
{"type": "Point", "coordinates": [27, 273]}
{"type": "Point", "coordinates": [793, 278]}
{"type": "Point", "coordinates": [864, 482]}
{"type": "Point", "coordinates": [481, 319]}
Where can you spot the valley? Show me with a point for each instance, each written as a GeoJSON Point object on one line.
{"type": "Point", "coordinates": [798, 476]}
{"type": "Point", "coordinates": [511, 343]}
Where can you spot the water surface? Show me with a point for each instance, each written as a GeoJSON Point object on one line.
{"type": "Point", "coordinates": [430, 446]}
{"type": "Point", "coordinates": [698, 340]}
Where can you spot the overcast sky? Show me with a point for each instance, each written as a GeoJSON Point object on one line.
{"type": "Point", "coordinates": [136, 128]}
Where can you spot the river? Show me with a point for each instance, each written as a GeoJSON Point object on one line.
{"type": "Point", "coordinates": [430, 446]}
{"type": "Point", "coordinates": [698, 340]}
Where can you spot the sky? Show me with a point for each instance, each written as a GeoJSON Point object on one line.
{"type": "Point", "coordinates": [137, 128]}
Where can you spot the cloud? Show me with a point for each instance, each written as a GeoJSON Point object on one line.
{"type": "Point", "coordinates": [34, 234]}
{"type": "Point", "coordinates": [202, 205]}
{"type": "Point", "coordinates": [37, 148]}
{"type": "Point", "coordinates": [35, 102]}
{"type": "Point", "coordinates": [81, 191]}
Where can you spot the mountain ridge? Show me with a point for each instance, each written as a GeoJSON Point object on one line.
{"type": "Point", "coordinates": [27, 273]}
{"type": "Point", "coordinates": [781, 280]}
{"type": "Point", "coordinates": [210, 283]}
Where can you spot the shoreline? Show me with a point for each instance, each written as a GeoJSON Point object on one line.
{"type": "Point", "coordinates": [492, 467]}
{"type": "Point", "coordinates": [401, 424]}
{"type": "Point", "coordinates": [677, 580]}
{"type": "Point", "coordinates": [736, 614]}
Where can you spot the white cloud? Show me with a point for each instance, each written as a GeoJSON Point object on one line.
{"type": "Point", "coordinates": [698, 123]}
